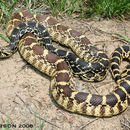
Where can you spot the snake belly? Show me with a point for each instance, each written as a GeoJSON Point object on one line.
{"type": "Point", "coordinates": [62, 85]}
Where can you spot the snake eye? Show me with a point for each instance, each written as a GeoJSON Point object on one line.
{"type": "Point", "coordinates": [103, 73]}
{"type": "Point", "coordinates": [89, 74]}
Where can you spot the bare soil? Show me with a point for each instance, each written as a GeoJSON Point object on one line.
{"type": "Point", "coordinates": [24, 92]}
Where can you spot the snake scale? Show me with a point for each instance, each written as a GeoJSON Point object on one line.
{"type": "Point", "coordinates": [29, 35]}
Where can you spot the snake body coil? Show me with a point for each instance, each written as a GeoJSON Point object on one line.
{"type": "Point", "coordinates": [28, 36]}
{"type": "Point", "coordinates": [93, 62]}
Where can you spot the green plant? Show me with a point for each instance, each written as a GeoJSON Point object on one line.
{"type": "Point", "coordinates": [65, 6]}
{"type": "Point", "coordinates": [6, 8]}
{"type": "Point", "coordinates": [34, 6]}
{"type": "Point", "coordinates": [109, 8]}
{"type": "Point", "coordinates": [7, 124]}
{"type": "Point", "coordinates": [41, 122]}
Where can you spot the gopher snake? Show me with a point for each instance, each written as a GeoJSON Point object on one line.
{"type": "Point", "coordinates": [62, 85]}
{"type": "Point", "coordinates": [96, 61]}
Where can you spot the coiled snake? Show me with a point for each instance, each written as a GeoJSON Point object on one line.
{"type": "Point", "coordinates": [30, 37]}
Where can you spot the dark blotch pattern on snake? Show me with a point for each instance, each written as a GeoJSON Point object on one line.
{"type": "Point", "coordinates": [27, 34]}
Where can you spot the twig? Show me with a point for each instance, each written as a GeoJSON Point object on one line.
{"type": "Point", "coordinates": [23, 67]}
{"type": "Point", "coordinates": [116, 35]}
{"type": "Point", "coordinates": [95, 88]}
{"type": "Point", "coordinates": [127, 120]}
{"type": "Point", "coordinates": [125, 124]}
{"type": "Point", "coordinates": [119, 36]}
{"type": "Point", "coordinates": [90, 28]}
{"type": "Point", "coordinates": [24, 103]}
{"type": "Point", "coordinates": [47, 121]}
{"type": "Point", "coordinates": [87, 124]}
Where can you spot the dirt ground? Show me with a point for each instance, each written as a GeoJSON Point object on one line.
{"type": "Point", "coordinates": [25, 93]}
